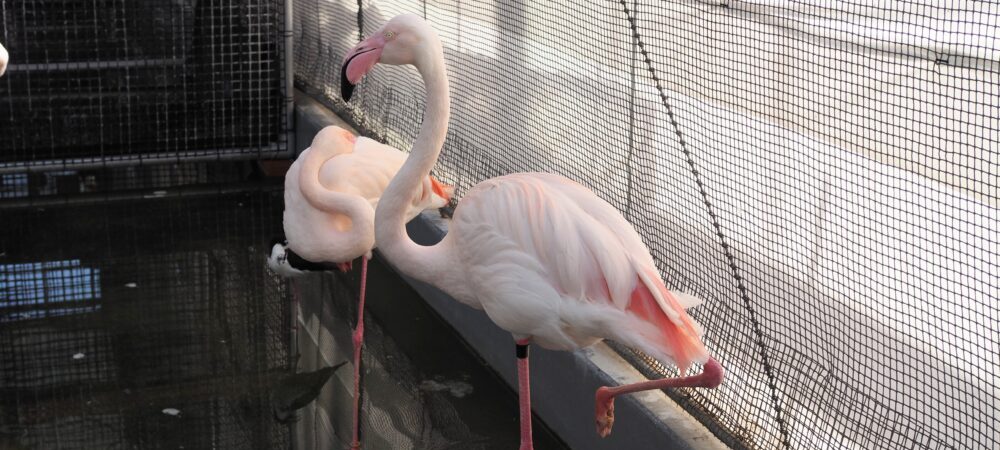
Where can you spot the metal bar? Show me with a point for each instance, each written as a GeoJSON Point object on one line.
{"type": "Point", "coordinates": [141, 194]}
{"type": "Point", "coordinates": [273, 151]}
{"type": "Point", "coordinates": [290, 75]}
{"type": "Point", "coordinates": [94, 65]}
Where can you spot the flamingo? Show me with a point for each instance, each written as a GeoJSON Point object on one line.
{"type": "Point", "coordinates": [547, 259]}
{"type": "Point", "coordinates": [330, 195]}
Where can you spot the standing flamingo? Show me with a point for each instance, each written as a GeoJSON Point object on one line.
{"type": "Point", "coordinates": [547, 259]}
{"type": "Point", "coordinates": [330, 195]}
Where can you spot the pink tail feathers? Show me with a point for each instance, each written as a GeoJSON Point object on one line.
{"type": "Point", "coordinates": [679, 334]}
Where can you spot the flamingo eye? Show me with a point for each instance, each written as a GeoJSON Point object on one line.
{"type": "Point", "coordinates": [388, 35]}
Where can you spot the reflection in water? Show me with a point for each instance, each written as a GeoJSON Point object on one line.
{"type": "Point", "coordinates": [141, 325]}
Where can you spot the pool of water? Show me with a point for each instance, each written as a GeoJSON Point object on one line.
{"type": "Point", "coordinates": [141, 324]}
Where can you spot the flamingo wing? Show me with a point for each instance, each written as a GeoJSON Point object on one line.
{"type": "Point", "coordinates": [554, 262]}
{"type": "Point", "coordinates": [368, 169]}
{"type": "Point", "coordinates": [362, 168]}
{"type": "Point", "coordinates": [365, 171]}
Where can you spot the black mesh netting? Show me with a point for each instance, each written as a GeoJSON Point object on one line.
{"type": "Point", "coordinates": [825, 176]}
{"type": "Point", "coordinates": [142, 322]}
{"type": "Point", "coordinates": [112, 80]}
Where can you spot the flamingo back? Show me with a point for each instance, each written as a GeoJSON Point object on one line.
{"type": "Point", "coordinates": [307, 227]}
{"type": "Point", "coordinates": [552, 261]}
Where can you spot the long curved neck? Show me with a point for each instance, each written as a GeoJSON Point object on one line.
{"type": "Point", "coordinates": [360, 238]}
{"type": "Point", "coordinates": [390, 215]}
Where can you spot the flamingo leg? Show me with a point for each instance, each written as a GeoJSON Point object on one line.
{"type": "Point", "coordinates": [358, 339]}
{"type": "Point", "coordinates": [524, 394]}
{"type": "Point", "coordinates": [710, 377]}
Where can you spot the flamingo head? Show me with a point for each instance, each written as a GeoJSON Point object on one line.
{"type": "Point", "coordinates": [397, 43]}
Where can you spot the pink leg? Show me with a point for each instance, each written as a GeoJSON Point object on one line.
{"type": "Point", "coordinates": [358, 339]}
{"type": "Point", "coordinates": [524, 393]}
{"type": "Point", "coordinates": [710, 377]}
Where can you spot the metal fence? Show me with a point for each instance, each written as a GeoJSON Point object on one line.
{"type": "Point", "coordinates": [825, 176]}
{"type": "Point", "coordinates": [136, 310]}
{"type": "Point", "coordinates": [112, 83]}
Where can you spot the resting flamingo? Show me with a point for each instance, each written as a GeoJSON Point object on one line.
{"type": "Point", "coordinates": [330, 195]}
{"type": "Point", "coordinates": [547, 259]}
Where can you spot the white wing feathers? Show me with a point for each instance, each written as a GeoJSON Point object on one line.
{"type": "Point", "coordinates": [555, 262]}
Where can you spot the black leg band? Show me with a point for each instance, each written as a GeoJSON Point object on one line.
{"type": "Point", "coordinates": [522, 351]}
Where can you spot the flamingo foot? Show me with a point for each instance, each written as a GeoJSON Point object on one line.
{"type": "Point", "coordinates": [604, 407]}
{"type": "Point", "coordinates": [344, 266]}
{"type": "Point", "coordinates": [604, 411]}
{"type": "Point", "coordinates": [355, 445]}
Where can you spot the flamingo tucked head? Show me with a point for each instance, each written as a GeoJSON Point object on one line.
{"type": "Point", "coordinates": [395, 44]}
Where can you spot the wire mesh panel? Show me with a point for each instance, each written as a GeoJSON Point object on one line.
{"type": "Point", "coordinates": [825, 176]}
{"type": "Point", "coordinates": [112, 81]}
{"type": "Point", "coordinates": [142, 324]}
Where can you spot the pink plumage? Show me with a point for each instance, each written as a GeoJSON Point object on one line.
{"type": "Point", "coordinates": [552, 261]}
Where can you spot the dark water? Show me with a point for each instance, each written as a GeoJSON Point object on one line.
{"type": "Point", "coordinates": [141, 324]}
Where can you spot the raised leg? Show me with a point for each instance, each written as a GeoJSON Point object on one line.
{"type": "Point", "coordinates": [524, 394]}
{"type": "Point", "coordinates": [604, 401]}
{"type": "Point", "coordinates": [358, 339]}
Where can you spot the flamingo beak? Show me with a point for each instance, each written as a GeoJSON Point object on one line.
{"type": "Point", "coordinates": [359, 61]}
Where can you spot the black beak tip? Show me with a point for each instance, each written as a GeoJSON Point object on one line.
{"type": "Point", "coordinates": [346, 88]}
